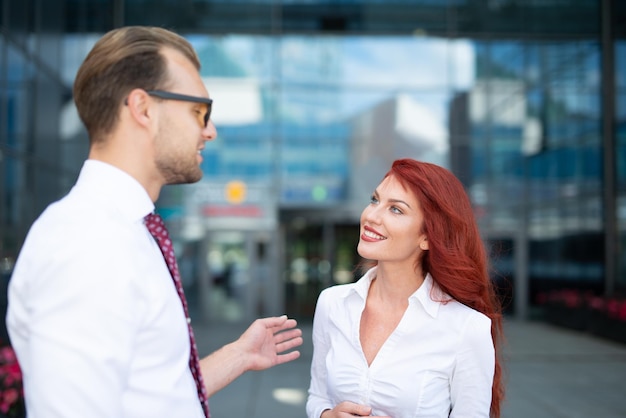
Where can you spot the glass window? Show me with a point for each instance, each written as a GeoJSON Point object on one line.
{"type": "Point", "coordinates": [319, 117]}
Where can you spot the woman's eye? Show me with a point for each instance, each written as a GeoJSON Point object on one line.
{"type": "Point", "coordinates": [396, 209]}
{"type": "Point", "coordinates": [373, 199]}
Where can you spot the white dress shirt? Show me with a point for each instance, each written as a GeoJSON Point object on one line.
{"type": "Point", "coordinates": [438, 362]}
{"type": "Point", "coordinates": [93, 314]}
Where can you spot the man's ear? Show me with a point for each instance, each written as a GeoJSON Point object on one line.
{"type": "Point", "coordinates": [139, 107]}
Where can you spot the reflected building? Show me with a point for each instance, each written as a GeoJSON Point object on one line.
{"type": "Point", "coordinates": [527, 142]}
{"type": "Point", "coordinates": [524, 101]}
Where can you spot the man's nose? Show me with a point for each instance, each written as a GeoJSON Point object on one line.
{"type": "Point", "coordinates": [209, 133]}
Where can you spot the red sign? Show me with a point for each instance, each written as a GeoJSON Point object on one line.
{"type": "Point", "coordinates": [247, 211]}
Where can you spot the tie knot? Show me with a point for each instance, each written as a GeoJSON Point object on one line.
{"type": "Point", "coordinates": [153, 219]}
{"type": "Point", "coordinates": [155, 225]}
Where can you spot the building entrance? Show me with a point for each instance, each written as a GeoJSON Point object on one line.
{"type": "Point", "coordinates": [242, 281]}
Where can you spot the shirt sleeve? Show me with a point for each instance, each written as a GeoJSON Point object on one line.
{"type": "Point", "coordinates": [472, 378]}
{"type": "Point", "coordinates": [83, 318]}
{"type": "Point", "coordinates": [318, 400]}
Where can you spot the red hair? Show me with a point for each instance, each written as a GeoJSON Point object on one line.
{"type": "Point", "coordinates": [456, 256]}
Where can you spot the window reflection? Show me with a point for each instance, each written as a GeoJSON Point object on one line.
{"type": "Point", "coordinates": [311, 123]}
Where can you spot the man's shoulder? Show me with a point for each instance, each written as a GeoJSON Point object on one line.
{"type": "Point", "coordinates": [77, 218]}
{"type": "Point", "coordinates": [67, 211]}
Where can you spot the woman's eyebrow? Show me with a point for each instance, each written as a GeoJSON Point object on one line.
{"type": "Point", "coordinates": [392, 200]}
{"type": "Point", "coordinates": [400, 201]}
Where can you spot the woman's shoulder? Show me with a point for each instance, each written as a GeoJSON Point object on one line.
{"type": "Point", "coordinates": [337, 291]}
{"type": "Point", "coordinates": [451, 308]}
{"type": "Point", "coordinates": [464, 318]}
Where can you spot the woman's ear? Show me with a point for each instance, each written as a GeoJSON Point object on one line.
{"type": "Point", "coordinates": [424, 244]}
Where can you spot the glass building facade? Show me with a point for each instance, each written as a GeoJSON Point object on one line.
{"type": "Point", "coordinates": [524, 101]}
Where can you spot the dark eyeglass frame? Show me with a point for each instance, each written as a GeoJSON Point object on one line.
{"type": "Point", "coordinates": [166, 95]}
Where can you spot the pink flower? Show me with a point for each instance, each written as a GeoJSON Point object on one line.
{"type": "Point", "coordinates": [597, 303]}
{"type": "Point", "coordinates": [7, 355]}
{"type": "Point", "coordinates": [621, 311]}
{"type": "Point", "coordinates": [11, 395]}
{"type": "Point", "coordinates": [612, 308]}
{"type": "Point", "coordinates": [11, 390]}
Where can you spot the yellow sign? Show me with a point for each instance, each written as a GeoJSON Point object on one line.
{"type": "Point", "coordinates": [235, 192]}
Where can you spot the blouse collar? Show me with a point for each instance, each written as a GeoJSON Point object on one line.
{"type": "Point", "coordinates": [429, 295]}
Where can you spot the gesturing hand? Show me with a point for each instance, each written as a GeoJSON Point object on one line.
{"type": "Point", "coordinates": [265, 340]}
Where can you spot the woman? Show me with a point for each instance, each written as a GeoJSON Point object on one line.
{"type": "Point", "coordinates": [418, 335]}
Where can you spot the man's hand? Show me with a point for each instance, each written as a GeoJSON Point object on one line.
{"type": "Point", "coordinates": [259, 347]}
{"type": "Point", "coordinates": [267, 338]}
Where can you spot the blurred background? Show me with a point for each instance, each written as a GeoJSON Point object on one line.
{"type": "Point", "coordinates": [525, 101]}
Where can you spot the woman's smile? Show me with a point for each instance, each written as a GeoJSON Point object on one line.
{"type": "Point", "coordinates": [371, 234]}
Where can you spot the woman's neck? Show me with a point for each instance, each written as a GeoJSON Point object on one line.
{"type": "Point", "coordinates": [396, 283]}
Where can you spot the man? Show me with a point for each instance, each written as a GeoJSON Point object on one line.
{"type": "Point", "coordinates": [97, 324]}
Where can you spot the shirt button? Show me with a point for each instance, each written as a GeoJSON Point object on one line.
{"type": "Point", "coordinates": [189, 320]}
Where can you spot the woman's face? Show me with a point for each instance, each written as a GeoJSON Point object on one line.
{"type": "Point", "coordinates": [391, 225]}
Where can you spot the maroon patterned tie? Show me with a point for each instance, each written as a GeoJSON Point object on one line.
{"type": "Point", "coordinates": [159, 232]}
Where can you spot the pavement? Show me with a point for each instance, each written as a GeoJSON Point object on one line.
{"type": "Point", "coordinates": [551, 372]}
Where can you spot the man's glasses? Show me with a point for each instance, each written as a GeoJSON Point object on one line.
{"type": "Point", "coordinates": [166, 95]}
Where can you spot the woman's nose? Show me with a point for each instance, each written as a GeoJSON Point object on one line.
{"type": "Point", "coordinates": [372, 214]}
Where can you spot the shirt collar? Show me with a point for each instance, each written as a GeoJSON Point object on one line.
{"type": "Point", "coordinates": [429, 295]}
{"type": "Point", "coordinates": [362, 286]}
{"type": "Point", "coordinates": [115, 188]}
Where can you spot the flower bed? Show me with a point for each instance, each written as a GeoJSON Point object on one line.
{"type": "Point", "coordinates": [608, 318]}
{"type": "Point", "coordinates": [11, 390]}
{"type": "Point", "coordinates": [567, 308]}
{"type": "Point", "coordinates": [584, 311]}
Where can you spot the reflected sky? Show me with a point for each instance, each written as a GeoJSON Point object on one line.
{"type": "Point", "coordinates": [334, 78]}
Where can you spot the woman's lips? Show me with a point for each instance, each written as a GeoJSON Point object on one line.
{"type": "Point", "coordinates": [371, 235]}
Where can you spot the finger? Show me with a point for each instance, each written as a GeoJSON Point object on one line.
{"type": "Point", "coordinates": [287, 335]}
{"type": "Point", "coordinates": [271, 322]}
{"type": "Point", "coordinates": [284, 358]}
{"type": "Point", "coordinates": [287, 324]}
{"type": "Point", "coordinates": [278, 323]}
{"type": "Point", "coordinates": [288, 345]}
{"type": "Point", "coordinates": [357, 409]}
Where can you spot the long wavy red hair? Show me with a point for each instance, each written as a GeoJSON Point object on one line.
{"type": "Point", "coordinates": [456, 256]}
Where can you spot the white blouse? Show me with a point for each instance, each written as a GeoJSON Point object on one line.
{"type": "Point", "coordinates": [438, 362]}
